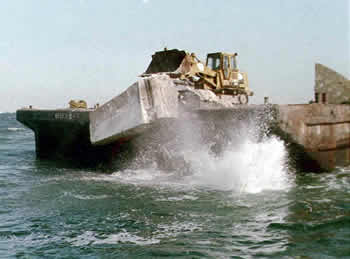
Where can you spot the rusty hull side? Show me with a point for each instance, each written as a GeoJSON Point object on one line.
{"type": "Point", "coordinates": [322, 130]}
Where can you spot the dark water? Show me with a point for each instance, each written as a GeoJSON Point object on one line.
{"type": "Point", "coordinates": [243, 205]}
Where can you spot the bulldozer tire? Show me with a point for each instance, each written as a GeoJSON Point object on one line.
{"type": "Point", "coordinates": [243, 99]}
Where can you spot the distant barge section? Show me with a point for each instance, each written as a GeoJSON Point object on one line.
{"type": "Point", "coordinates": [63, 134]}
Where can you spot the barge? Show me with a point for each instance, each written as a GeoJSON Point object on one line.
{"type": "Point", "coordinates": [151, 114]}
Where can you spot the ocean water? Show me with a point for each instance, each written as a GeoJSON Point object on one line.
{"type": "Point", "coordinates": [244, 204]}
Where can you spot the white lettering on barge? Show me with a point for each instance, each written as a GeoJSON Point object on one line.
{"type": "Point", "coordinates": [66, 116]}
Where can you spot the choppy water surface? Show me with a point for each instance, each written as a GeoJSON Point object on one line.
{"type": "Point", "coordinates": [243, 204]}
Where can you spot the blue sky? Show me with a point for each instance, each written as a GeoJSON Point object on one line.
{"type": "Point", "coordinates": [54, 51]}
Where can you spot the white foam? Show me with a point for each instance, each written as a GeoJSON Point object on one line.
{"type": "Point", "coordinates": [15, 129]}
{"type": "Point", "coordinates": [90, 238]}
{"type": "Point", "coordinates": [175, 229]}
{"type": "Point", "coordinates": [147, 175]}
{"type": "Point", "coordinates": [143, 177]}
{"type": "Point", "coordinates": [179, 198]}
{"type": "Point", "coordinates": [86, 197]}
{"type": "Point", "coordinates": [125, 237]}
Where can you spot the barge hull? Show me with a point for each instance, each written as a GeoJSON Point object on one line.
{"type": "Point", "coordinates": [64, 135]}
{"type": "Point", "coordinates": [317, 135]}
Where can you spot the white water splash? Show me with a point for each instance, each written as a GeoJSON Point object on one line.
{"type": "Point", "coordinates": [249, 167]}
{"type": "Point", "coordinates": [246, 160]}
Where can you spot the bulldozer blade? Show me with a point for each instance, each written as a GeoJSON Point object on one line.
{"type": "Point", "coordinates": [166, 61]}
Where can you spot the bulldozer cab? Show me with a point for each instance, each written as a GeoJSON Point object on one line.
{"type": "Point", "coordinates": [219, 60]}
{"type": "Point", "coordinates": [222, 62]}
{"type": "Point", "coordinates": [227, 63]}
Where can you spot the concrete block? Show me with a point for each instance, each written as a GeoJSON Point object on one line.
{"type": "Point", "coordinates": [133, 111]}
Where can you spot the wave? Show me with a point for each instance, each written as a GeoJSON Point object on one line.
{"type": "Point", "coordinates": [7, 112]}
{"type": "Point", "coordinates": [89, 238]}
{"type": "Point", "coordinates": [15, 129]}
{"type": "Point", "coordinates": [86, 197]}
{"type": "Point", "coordinates": [163, 231]}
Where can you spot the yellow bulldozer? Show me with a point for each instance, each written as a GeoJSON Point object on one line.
{"type": "Point", "coordinates": [219, 74]}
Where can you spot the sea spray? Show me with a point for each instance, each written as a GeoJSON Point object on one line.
{"type": "Point", "coordinates": [249, 167]}
{"type": "Point", "coordinates": [228, 151]}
